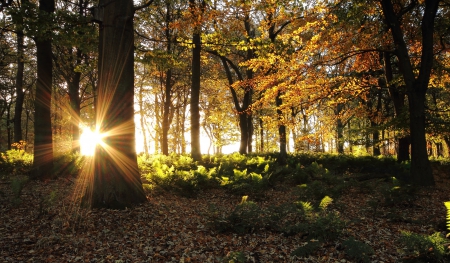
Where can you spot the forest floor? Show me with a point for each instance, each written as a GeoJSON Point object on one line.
{"type": "Point", "coordinates": [46, 225]}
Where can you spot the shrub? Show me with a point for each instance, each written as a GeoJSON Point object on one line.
{"type": "Point", "coordinates": [307, 248]}
{"type": "Point", "coordinates": [357, 250]}
{"type": "Point", "coordinates": [15, 161]}
{"type": "Point", "coordinates": [399, 193]}
{"type": "Point", "coordinates": [424, 248]}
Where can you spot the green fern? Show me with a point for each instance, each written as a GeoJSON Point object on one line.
{"type": "Point", "coordinates": [326, 201]}
{"type": "Point", "coordinates": [447, 205]}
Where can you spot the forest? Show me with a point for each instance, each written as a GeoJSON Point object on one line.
{"type": "Point", "coordinates": [224, 131]}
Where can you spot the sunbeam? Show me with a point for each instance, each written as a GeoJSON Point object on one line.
{"type": "Point", "coordinates": [89, 140]}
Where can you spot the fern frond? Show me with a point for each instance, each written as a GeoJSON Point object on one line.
{"type": "Point", "coordinates": [305, 207]}
{"type": "Point", "coordinates": [447, 205]}
{"type": "Point", "coordinates": [325, 202]}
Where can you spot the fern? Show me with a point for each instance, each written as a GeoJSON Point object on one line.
{"type": "Point", "coordinates": [325, 202]}
{"type": "Point", "coordinates": [306, 207]}
{"type": "Point", "coordinates": [447, 205]}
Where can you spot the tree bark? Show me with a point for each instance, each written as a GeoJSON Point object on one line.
{"type": "Point", "coordinates": [116, 182]}
{"type": "Point", "coordinates": [43, 140]}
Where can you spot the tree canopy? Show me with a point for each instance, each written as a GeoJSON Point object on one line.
{"type": "Point", "coordinates": [327, 76]}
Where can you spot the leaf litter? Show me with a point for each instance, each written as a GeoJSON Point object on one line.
{"type": "Point", "coordinates": [171, 228]}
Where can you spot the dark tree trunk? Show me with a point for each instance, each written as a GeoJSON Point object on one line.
{"type": "Point", "coordinates": [8, 124]}
{"type": "Point", "coordinates": [166, 113]}
{"type": "Point", "coordinates": [167, 85]}
{"type": "Point", "coordinates": [142, 122]}
{"type": "Point", "coordinates": [195, 99]}
{"type": "Point", "coordinates": [261, 131]}
{"type": "Point", "coordinates": [339, 130]}
{"type": "Point", "coordinates": [117, 183]}
{"type": "Point", "coordinates": [421, 173]}
{"type": "Point", "coordinates": [403, 148]}
{"type": "Point", "coordinates": [43, 140]}
{"type": "Point", "coordinates": [375, 138]}
{"type": "Point", "coordinates": [20, 95]}
{"type": "Point", "coordinates": [419, 156]}
{"type": "Point", "coordinates": [282, 157]}
{"type": "Point", "coordinates": [243, 126]}
{"type": "Point", "coordinates": [74, 97]}
{"type": "Point", "coordinates": [250, 133]}
{"type": "Point", "coordinates": [195, 86]}
{"type": "Point", "coordinates": [398, 99]}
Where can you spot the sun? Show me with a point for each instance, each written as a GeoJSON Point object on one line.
{"type": "Point", "coordinates": [88, 141]}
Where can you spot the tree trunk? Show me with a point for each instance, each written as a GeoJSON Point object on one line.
{"type": "Point", "coordinates": [20, 95]}
{"type": "Point", "coordinates": [282, 157]}
{"type": "Point", "coordinates": [195, 85]}
{"type": "Point", "coordinates": [74, 97]}
{"type": "Point", "coordinates": [166, 113]}
{"type": "Point", "coordinates": [261, 131]}
{"type": "Point", "coordinates": [398, 100]}
{"type": "Point", "coordinates": [8, 124]}
{"type": "Point", "coordinates": [43, 139]}
{"type": "Point", "coordinates": [142, 118]}
{"type": "Point", "coordinates": [339, 130]}
{"type": "Point", "coordinates": [117, 183]}
{"type": "Point", "coordinates": [375, 139]}
{"type": "Point", "coordinates": [421, 173]}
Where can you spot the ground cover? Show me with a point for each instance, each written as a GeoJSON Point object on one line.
{"type": "Point", "coordinates": [372, 219]}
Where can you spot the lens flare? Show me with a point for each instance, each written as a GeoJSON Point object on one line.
{"type": "Point", "coordinates": [88, 141]}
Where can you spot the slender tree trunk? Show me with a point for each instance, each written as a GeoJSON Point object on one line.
{"type": "Point", "coordinates": [282, 157]}
{"type": "Point", "coordinates": [166, 112]}
{"type": "Point", "coordinates": [20, 95]}
{"type": "Point", "coordinates": [339, 130]}
{"type": "Point", "coordinates": [74, 97]}
{"type": "Point", "coordinates": [157, 128]}
{"type": "Point", "coordinates": [195, 89]}
{"type": "Point", "coordinates": [244, 133]}
{"type": "Point", "coordinates": [8, 125]}
{"type": "Point", "coordinates": [142, 118]}
{"type": "Point", "coordinates": [375, 139]}
{"type": "Point", "coordinates": [261, 131]}
{"type": "Point", "coordinates": [398, 99]}
{"type": "Point", "coordinates": [43, 139]}
{"type": "Point", "coordinates": [116, 183]}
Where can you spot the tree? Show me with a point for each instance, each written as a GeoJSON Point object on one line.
{"type": "Point", "coordinates": [196, 11]}
{"type": "Point", "coordinates": [73, 44]}
{"type": "Point", "coordinates": [116, 183]}
{"type": "Point", "coordinates": [20, 94]}
{"type": "Point", "coordinates": [43, 141]}
{"type": "Point", "coordinates": [416, 83]}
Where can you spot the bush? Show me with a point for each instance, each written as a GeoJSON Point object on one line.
{"type": "Point", "coordinates": [13, 162]}
{"type": "Point", "coordinates": [399, 193]}
{"type": "Point", "coordinates": [246, 217]}
{"type": "Point", "coordinates": [425, 248]}
{"type": "Point", "coordinates": [357, 250]}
